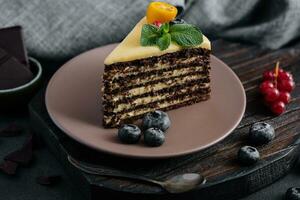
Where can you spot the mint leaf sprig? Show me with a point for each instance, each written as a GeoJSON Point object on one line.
{"type": "Point", "coordinates": [185, 35]}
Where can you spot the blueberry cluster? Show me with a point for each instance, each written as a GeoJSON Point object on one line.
{"type": "Point", "coordinates": [154, 126]}
{"type": "Point", "coordinates": [260, 133]}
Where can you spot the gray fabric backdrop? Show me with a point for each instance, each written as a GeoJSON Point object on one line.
{"type": "Point", "coordinates": [58, 29]}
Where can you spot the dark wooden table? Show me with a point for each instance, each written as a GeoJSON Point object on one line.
{"type": "Point", "coordinates": [226, 178]}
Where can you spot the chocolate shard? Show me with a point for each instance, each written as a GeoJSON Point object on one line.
{"type": "Point", "coordinates": [11, 39]}
{"type": "Point", "coordinates": [12, 72]}
{"type": "Point", "coordinates": [9, 167]}
{"type": "Point", "coordinates": [11, 130]}
{"type": "Point", "coordinates": [48, 180]}
{"type": "Point", "coordinates": [22, 156]}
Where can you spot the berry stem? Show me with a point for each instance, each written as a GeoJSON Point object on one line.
{"type": "Point", "coordinates": [276, 73]}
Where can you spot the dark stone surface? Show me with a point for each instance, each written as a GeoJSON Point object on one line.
{"type": "Point", "coordinates": [23, 186]}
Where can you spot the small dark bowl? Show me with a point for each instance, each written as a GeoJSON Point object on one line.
{"type": "Point", "coordinates": [17, 98]}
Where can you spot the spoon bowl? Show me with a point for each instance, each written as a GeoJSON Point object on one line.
{"type": "Point", "coordinates": [183, 182]}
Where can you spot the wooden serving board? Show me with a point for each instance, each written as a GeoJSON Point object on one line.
{"type": "Point", "coordinates": [226, 179]}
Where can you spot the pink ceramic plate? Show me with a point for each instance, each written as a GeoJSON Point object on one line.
{"type": "Point", "coordinates": [73, 100]}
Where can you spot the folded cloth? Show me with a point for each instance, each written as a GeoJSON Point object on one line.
{"type": "Point", "coordinates": [61, 29]}
{"type": "Point", "coordinates": [271, 23]}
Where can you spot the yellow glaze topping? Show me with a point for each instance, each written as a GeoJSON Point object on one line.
{"type": "Point", "coordinates": [130, 49]}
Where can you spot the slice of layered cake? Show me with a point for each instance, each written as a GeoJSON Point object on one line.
{"type": "Point", "coordinates": [160, 65]}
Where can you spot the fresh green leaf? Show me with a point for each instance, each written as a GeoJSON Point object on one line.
{"type": "Point", "coordinates": [149, 35]}
{"type": "Point", "coordinates": [164, 41]}
{"type": "Point", "coordinates": [164, 28]}
{"type": "Point", "coordinates": [186, 35]}
{"type": "Point", "coordinates": [181, 27]}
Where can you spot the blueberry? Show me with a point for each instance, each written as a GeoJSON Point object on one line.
{"type": "Point", "coordinates": [248, 155]}
{"type": "Point", "coordinates": [156, 119]}
{"type": "Point", "coordinates": [129, 134]}
{"type": "Point", "coordinates": [261, 133]}
{"type": "Point", "coordinates": [154, 137]}
{"type": "Point", "coordinates": [177, 21]}
{"type": "Point", "coordinates": [292, 194]}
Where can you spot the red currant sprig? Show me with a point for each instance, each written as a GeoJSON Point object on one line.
{"type": "Point", "coordinates": [276, 89]}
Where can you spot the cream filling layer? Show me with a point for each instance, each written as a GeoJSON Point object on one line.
{"type": "Point", "coordinates": [133, 113]}
{"type": "Point", "coordinates": [151, 99]}
{"type": "Point", "coordinates": [165, 75]}
{"type": "Point", "coordinates": [155, 87]}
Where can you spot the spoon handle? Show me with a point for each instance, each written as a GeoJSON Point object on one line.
{"type": "Point", "coordinates": [96, 170]}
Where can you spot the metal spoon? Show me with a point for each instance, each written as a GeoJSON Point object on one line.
{"type": "Point", "coordinates": [176, 184]}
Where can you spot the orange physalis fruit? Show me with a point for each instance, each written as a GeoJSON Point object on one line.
{"type": "Point", "coordinates": [161, 12]}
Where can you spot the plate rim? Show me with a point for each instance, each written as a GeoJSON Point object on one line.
{"type": "Point", "coordinates": [121, 154]}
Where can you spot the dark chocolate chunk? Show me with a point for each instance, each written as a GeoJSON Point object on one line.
{"type": "Point", "coordinates": [11, 130]}
{"type": "Point", "coordinates": [11, 40]}
{"type": "Point", "coordinates": [12, 72]}
{"type": "Point", "coordinates": [48, 180]}
{"type": "Point", "coordinates": [23, 155]}
{"type": "Point", "coordinates": [8, 167]}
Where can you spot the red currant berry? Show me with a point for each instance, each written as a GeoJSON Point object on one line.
{"type": "Point", "coordinates": [265, 85]}
{"type": "Point", "coordinates": [283, 75]}
{"type": "Point", "coordinates": [285, 97]}
{"type": "Point", "coordinates": [286, 85]}
{"type": "Point", "coordinates": [271, 94]}
{"type": "Point", "coordinates": [278, 107]}
{"type": "Point", "coordinates": [280, 70]}
{"type": "Point", "coordinates": [157, 23]}
{"type": "Point", "coordinates": [268, 75]}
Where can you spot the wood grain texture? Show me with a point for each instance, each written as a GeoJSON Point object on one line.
{"type": "Point", "coordinates": [226, 178]}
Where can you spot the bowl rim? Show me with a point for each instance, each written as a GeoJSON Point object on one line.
{"type": "Point", "coordinates": [37, 77]}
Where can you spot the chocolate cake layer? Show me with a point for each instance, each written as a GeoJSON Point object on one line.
{"type": "Point", "coordinates": [158, 67]}
{"type": "Point", "coordinates": [149, 99]}
{"type": "Point", "coordinates": [116, 121]}
{"type": "Point", "coordinates": [175, 95]}
{"type": "Point", "coordinates": [165, 82]}
{"type": "Point", "coordinates": [156, 87]}
{"type": "Point", "coordinates": [153, 77]}
{"type": "Point", "coordinates": [131, 84]}
{"type": "Point", "coordinates": [126, 98]}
